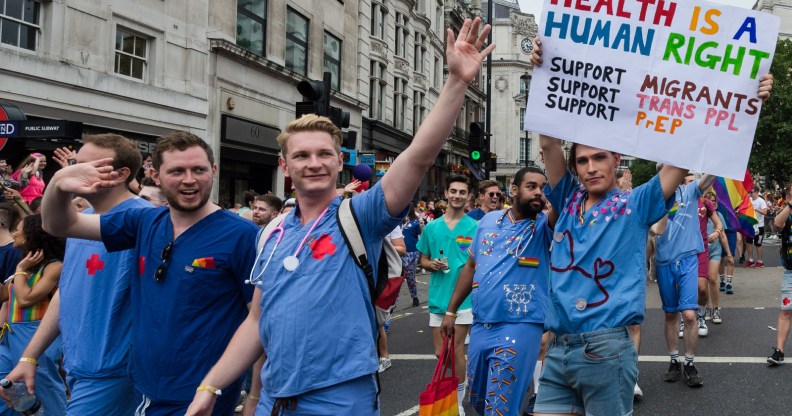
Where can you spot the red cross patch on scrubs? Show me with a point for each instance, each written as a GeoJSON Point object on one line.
{"type": "Point", "coordinates": [94, 264]}
{"type": "Point", "coordinates": [322, 246]}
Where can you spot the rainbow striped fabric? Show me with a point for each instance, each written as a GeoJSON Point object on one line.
{"type": "Point", "coordinates": [528, 262]}
{"type": "Point", "coordinates": [673, 211]}
{"type": "Point", "coordinates": [735, 204]}
{"type": "Point", "coordinates": [34, 313]}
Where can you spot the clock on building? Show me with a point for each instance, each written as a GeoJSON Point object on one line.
{"type": "Point", "coordinates": [526, 45]}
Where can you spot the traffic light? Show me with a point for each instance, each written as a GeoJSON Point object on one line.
{"type": "Point", "coordinates": [477, 150]}
{"type": "Point", "coordinates": [316, 96]}
{"type": "Point", "coordinates": [492, 162]}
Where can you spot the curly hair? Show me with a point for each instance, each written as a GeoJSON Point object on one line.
{"type": "Point", "coordinates": [37, 239]}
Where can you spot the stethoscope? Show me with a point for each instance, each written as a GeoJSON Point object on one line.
{"type": "Point", "coordinates": [290, 263]}
{"type": "Point", "coordinates": [520, 248]}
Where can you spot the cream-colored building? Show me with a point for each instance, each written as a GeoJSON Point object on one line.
{"type": "Point", "coordinates": [227, 71]}
{"type": "Point", "coordinates": [780, 8]}
{"type": "Point", "coordinates": [513, 33]}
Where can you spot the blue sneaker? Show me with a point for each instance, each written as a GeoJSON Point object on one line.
{"type": "Point", "coordinates": [729, 289]}
{"type": "Point", "coordinates": [722, 285]}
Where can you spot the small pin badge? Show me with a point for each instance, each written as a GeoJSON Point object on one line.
{"type": "Point", "coordinates": [581, 304]}
{"type": "Point", "coordinates": [188, 269]}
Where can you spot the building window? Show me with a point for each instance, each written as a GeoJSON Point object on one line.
{"type": "Point", "coordinates": [19, 23]}
{"type": "Point", "coordinates": [525, 149]}
{"type": "Point", "coordinates": [525, 84]}
{"type": "Point", "coordinates": [418, 110]}
{"type": "Point", "coordinates": [377, 92]}
{"type": "Point", "coordinates": [378, 16]}
{"type": "Point", "coordinates": [131, 54]}
{"type": "Point", "coordinates": [332, 60]}
{"type": "Point", "coordinates": [438, 71]}
{"type": "Point", "coordinates": [522, 119]}
{"type": "Point", "coordinates": [252, 25]}
{"type": "Point", "coordinates": [296, 42]}
{"type": "Point", "coordinates": [399, 102]}
{"type": "Point", "coordinates": [402, 33]}
{"type": "Point", "coordinates": [420, 51]}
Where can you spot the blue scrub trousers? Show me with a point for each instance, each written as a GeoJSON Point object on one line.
{"type": "Point", "coordinates": [49, 384]}
{"type": "Point", "coordinates": [101, 396]}
{"type": "Point", "coordinates": [353, 397]}
{"type": "Point", "coordinates": [224, 406]}
{"type": "Point", "coordinates": [501, 360]}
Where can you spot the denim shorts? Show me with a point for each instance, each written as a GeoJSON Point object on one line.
{"type": "Point", "coordinates": [678, 284]}
{"type": "Point", "coordinates": [593, 373]}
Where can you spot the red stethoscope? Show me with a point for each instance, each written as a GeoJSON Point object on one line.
{"type": "Point", "coordinates": [290, 263]}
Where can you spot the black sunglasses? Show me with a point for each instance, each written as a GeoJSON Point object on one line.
{"type": "Point", "coordinates": [159, 274]}
{"type": "Point", "coordinates": [494, 194]}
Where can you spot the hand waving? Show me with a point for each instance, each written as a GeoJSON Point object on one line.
{"type": "Point", "coordinates": [463, 53]}
{"type": "Point", "coordinates": [88, 178]}
{"type": "Point", "coordinates": [63, 156]}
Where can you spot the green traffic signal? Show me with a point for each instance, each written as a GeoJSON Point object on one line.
{"type": "Point", "coordinates": [475, 155]}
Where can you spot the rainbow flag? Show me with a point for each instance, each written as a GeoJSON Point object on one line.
{"type": "Point", "coordinates": [673, 211]}
{"type": "Point", "coordinates": [735, 204]}
{"type": "Point", "coordinates": [528, 261]}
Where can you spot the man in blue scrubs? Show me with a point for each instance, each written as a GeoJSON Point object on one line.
{"type": "Point", "coordinates": [506, 278]}
{"type": "Point", "coordinates": [305, 274]}
{"type": "Point", "coordinates": [597, 275]}
{"type": "Point", "coordinates": [91, 310]}
{"type": "Point", "coordinates": [191, 258]}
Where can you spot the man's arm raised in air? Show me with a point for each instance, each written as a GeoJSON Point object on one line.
{"type": "Point", "coordinates": [464, 56]}
{"type": "Point", "coordinates": [58, 216]}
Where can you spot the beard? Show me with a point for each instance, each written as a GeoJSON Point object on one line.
{"type": "Point", "coordinates": [173, 201]}
{"type": "Point", "coordinates": [526, 207]}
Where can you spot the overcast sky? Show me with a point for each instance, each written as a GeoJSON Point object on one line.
{"type": "Point", "coordinates": [535, 6]}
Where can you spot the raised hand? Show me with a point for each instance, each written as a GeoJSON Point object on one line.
{"type": "Point", "coordinates": [88, 178]}
{"type": "Point", "coordinates": [63, 156]}
{"type": "Point", "coordinates": [765, 86]}
{"type": "Point", "coordinates": [536, 52]}
{"type": "Point", "coordinates": [30, 261]}
{"type": "Point", "coordinates": [463, 53]}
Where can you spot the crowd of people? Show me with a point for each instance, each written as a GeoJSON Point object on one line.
{"type": "Point", "coordinates": [132, 291]}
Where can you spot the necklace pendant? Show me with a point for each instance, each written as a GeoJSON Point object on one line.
{"type": "Point", "coordinates": [290, 263]}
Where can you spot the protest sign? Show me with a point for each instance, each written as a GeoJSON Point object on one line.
{"type": "Point", "coordinates": [670, 81]}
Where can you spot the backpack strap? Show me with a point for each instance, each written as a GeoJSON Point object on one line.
{"type": "Point", "coordinates": [350, 230]}
{"type": "Point", "coordinates": [265, 232]}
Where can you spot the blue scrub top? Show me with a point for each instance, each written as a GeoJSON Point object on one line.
{"type": "Point", "coordinates": [182, 325]}
{"type": "Point", "coordinates": [317, 323]}
{"type": "Point", "coordinates": [598, 260]}
{"type": "Point", "coordinates": [95, 314]}
{"type": "Point", "coordinates": [477, 214]}
{"type": "Point", "coordinates": [682, 237]}
{"type": "Point", "coordinates": [412, 232]}
{"type": "Point", "coordinates": [510, 285]}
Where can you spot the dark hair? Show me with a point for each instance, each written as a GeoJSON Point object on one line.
{"type": "Point", "coordinates": [38, 239]}
{"type": "Point", "coordinates": [35, 204]}
{"type": "Point", "coordinates": [179, 140]}
{"type": "Point", "coordinates": [248, 197]}
{"type": "Point", "coordinates": [271, 200]}
{"type": "Point", "coordinates": [520, 175]}
{"type": "Point", "coordinates": [148, 181]}
{"type": "Point", "coordinates": [126, 154]}
{"type": "Point", "coordinates": [8, 216]}
{"type": "Point", "coordinates": [571, 164]}
{"type": "Point", "coordinates": [457, 178]}
{"type": "Point", "coordinates": [411, 215]}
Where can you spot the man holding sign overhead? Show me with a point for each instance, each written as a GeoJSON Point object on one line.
{"type": "Point", "coordinates": [597, 274]}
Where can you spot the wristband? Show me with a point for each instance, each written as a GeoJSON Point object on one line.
{"type": "Point", "coordinates": [29, 360]}
{"type": "Point", "coordinates": [211, 389]}
{"type": "Point", "coordinates": [451, 314]}
{"type": "Point", "coordinates": [253, 398]}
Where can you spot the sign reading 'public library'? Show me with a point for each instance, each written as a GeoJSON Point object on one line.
{"type": "Point", "coordinates": [670, 81]}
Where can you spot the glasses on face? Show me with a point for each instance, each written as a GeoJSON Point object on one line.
{"type": "Point", "coordinates": [159, 274]}
{"type": "Point", "coordinates": [494, 194]}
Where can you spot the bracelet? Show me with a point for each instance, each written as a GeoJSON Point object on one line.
{"type": "Point", "coordinates": [21, 273]}
{"type": "Point", "coordinates": [253, 398]}
{"type": "Point", "coordinates": [211, 389]}
{"type": "Point", "coordinates": [451, 314]}
{"type": "Point", "coordinates": [29, 360]}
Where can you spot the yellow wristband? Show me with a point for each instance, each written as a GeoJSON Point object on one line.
{"type": "Point", "coordinates": [21, 272]}
{"type": "Point", "coordinates": [211, 389]}
{"type": "Point", "coordinates": [253, 398]}
{"type": "Point", "coordinates": [29, 360]}
{"type": "Point", "coordinates": [451, 314]}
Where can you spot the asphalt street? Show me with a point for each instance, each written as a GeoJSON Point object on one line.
{"type": "Point", "coordinates": [737, 379]}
